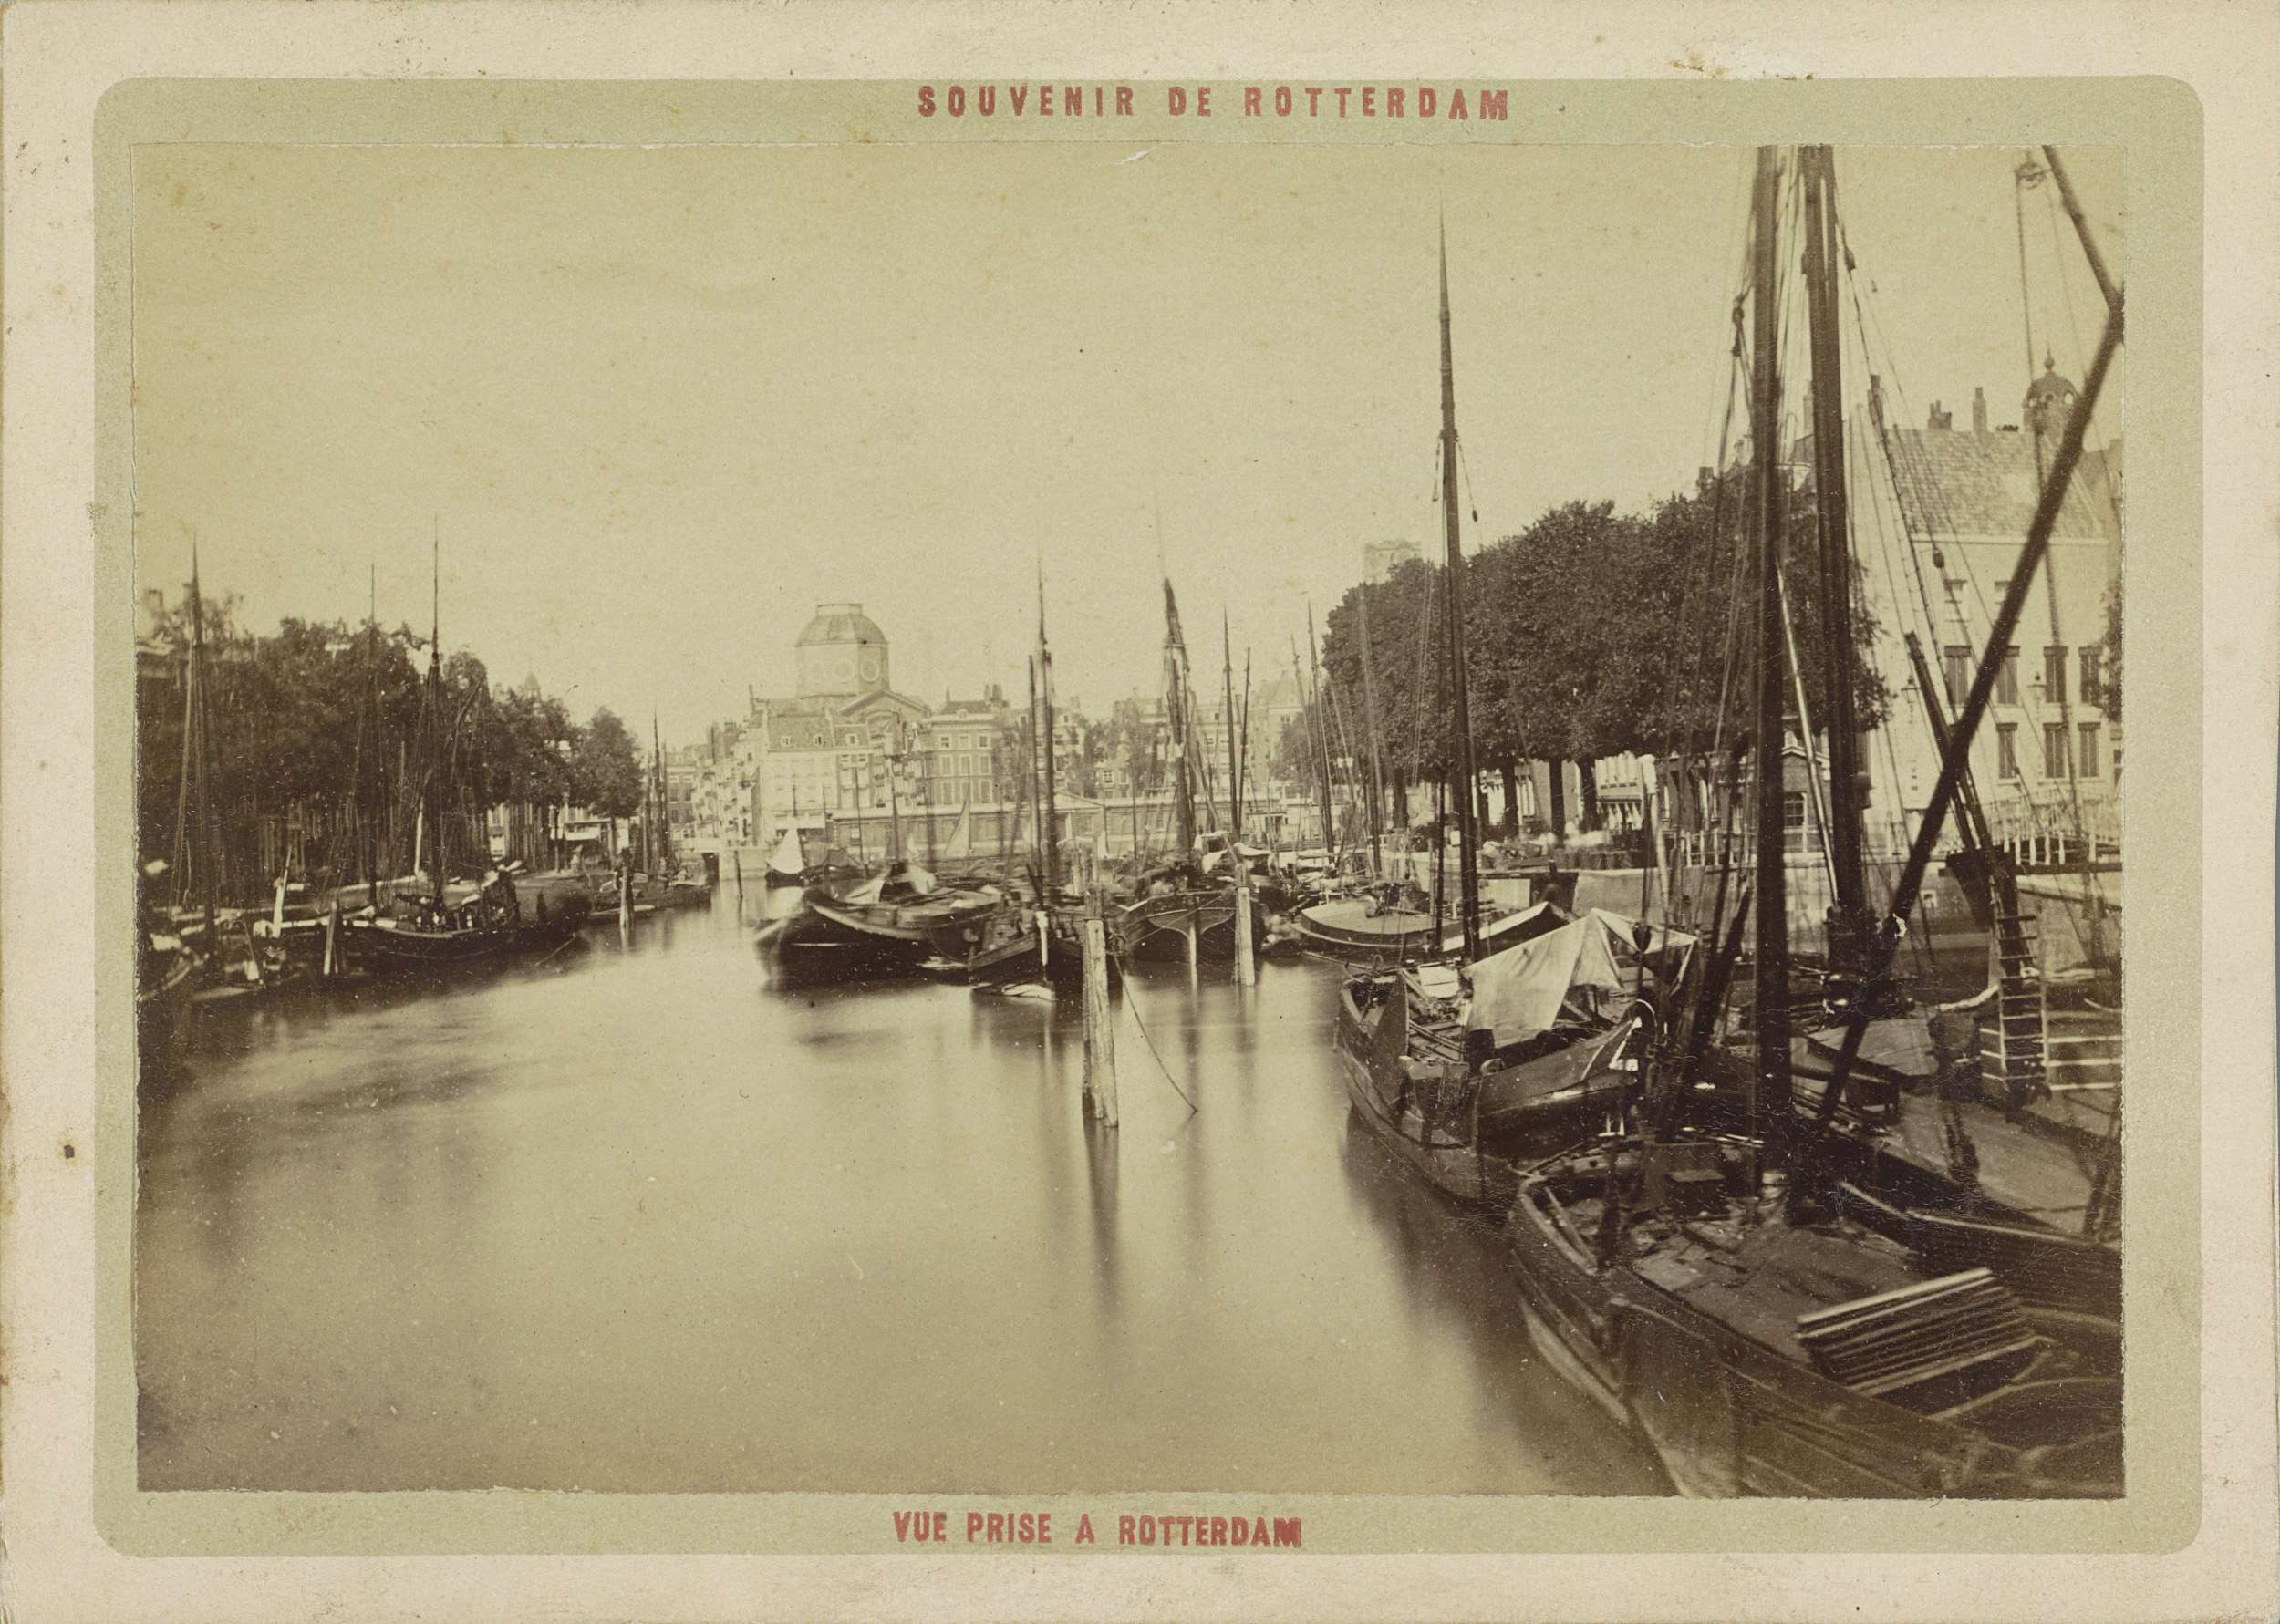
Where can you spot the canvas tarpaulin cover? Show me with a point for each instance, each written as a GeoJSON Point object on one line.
{"type": "Point", "coordinates": [1521, 991]}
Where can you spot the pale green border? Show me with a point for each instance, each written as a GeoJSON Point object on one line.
{"type": "Point", "coordinates": [2157, 121]}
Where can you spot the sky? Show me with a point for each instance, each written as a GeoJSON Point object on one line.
{"type": "Point", "coordinates": [653, 404]}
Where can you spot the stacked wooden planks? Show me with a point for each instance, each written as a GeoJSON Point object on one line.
{"type": "Point", "coordinates": [1887, 1344]}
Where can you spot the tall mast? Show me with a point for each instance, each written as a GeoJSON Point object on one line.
{"type": "Point", "coordinates": [1468, 873]}
{"type": "Point", "coordinates": [367, 720]}
{"type": "Point", "coordinates": [1175, 706]}
{"type": "Point", "coordinates": [894, 798]}
{"type": "Point", "coordinates": [658, 854]}
{"type": "Point", "coordinates": [433, 777]}
{"type": "Point", "coordinates": [1321, 729]}
{"type": "Point", "coordinates": [1819, 175]}
{"type": "Point", "coordinates": [1132, 779]}
{"type": "Point", "coordinates": [1234, 766]}
{"type": "Point", "coordinates": [1955, 761]}
{"type": "Point", "coordinates": [363, 726]}
{"type": "Point", "coordinates": [200, 739]}
{"type": "Point", "coordinates": [1770, 1103]}
{"type": "Point", "coordinates": [1377, 760]}
{"type": "Point", "coordinates": [1245, 756]}
{"type": "Point", "coordinates": [1048, 821]}
{"type": "Point", "coordinates": [1029, 775]}
{"type": "Point", "coordinates": [2081, 230]}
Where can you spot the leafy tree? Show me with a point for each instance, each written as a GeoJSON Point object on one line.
{"type": "Point", "coordinates": [605, 767]}
{"type": "Point", "coordinates": [1592, 633]}
{"type": "Point", "coordinates": [1135, 739]}
{"type": "Point", "coordinates": [1405, 664]}
{"type": "Point", "coordinates": [330, 725]}
{"type": "Point", "coordinates": [1298, 761]}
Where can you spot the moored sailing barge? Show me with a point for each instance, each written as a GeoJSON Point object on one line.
{"type": "Point", "coordinates": [886, 925]}
{"type": "Point", "coordinates": [1767, 1324]}
{"type": "Point", "coordinates": [449, 927]}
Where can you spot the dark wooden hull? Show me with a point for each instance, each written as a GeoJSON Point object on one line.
{"type": "Point", "coordinates": [1360, 947]}
{"type": "Point", "coordinates": [1157, 928]}
{"type": "Point", "coordinates": [1371, 943]}
{"type": "Point", "coordinates": [1009, 962]}
{"type": "Point", "coordinates": [1457, 1167]}
{"type": "Point", "coordinates": [817, 942]}
{"type": "Point", "coordinates": [549, 912]}
{"type": "Point", "coordinates": [1726, 1416]}
{"type": "Point", "coordinates": [648, 897]}
{"type": "Point", "coordinates": [1468, 1133]}
{"type": "Point", "coordinates": [1964, 1225]}
{"type": "Point", "coordinates": [536, 935]}
{"type": "Point", "coordinates": [829, 939]}
{"type": "Point", "coordinates": [384, 949]}
{"type": "Point", "coordinates": [162, 1003]}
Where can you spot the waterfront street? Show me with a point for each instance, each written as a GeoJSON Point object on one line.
{"type": "Point", "coordinates": [636, 1220]}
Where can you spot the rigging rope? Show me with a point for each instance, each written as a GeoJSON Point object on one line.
{"type": "Point", "coordinates": [1723, 771]}
{"type": "Point", "coordinates": [1132, 1004]}
{"type": "Point", "coordinates": [1940, 516]}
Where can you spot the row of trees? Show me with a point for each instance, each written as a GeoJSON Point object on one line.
{"type": "Point", "coordinates": [1591, 633]}
{"type": "Point", "coordinates": [320, 726]}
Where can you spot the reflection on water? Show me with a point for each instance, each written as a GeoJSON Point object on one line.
{"type": "Point", "coordinates": [637, 1219]}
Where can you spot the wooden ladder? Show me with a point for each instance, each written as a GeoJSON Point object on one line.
{"type": "Point", "coordinates": [2015, 1052]}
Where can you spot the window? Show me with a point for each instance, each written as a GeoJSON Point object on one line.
{"type": "Point", "coordinates": [2093, 675]}
{"type": "Point", "coordinates": [2089, 757]}
{"type": "Point", "coordinates": [2055, 675]}
{"type": "Point", "coordinates": [1793, 830]}
{"type": "Point", "coordinates": [2008, 750]}
{"type": "Point", "coordinates": [2055, 764]}
{"type": "Point", "coordinates": [1958, 664]}
{"type": "Point", "coordinates": [2007, 678]}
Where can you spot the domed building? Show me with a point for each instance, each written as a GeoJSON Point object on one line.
{"type": "Point", "coordinates": [831, 747]}
{"type": "Point", "coordinates": [842, 652]}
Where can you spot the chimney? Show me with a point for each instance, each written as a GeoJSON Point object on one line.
{"type": "Point", "coordinates": [1979, 410]}
{"type": "Point", "coordinates": [1939, 419]}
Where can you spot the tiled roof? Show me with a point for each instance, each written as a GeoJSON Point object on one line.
{"type": "Point", "coordinates": [1954, 482]}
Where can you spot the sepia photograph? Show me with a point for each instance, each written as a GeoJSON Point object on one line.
{"type": "Point", "coordinates": [1005, 817]}
{"type": "Point", "coordinates": [813, 806]}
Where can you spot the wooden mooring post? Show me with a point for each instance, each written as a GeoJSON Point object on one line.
{"type": "Point", "coordinates": [1100, 1016]}
{"type": "Point", "coordinates": [1246, 954]}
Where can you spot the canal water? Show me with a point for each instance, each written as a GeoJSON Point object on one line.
{"type": "Point", "coordinates": [636, 1219]}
